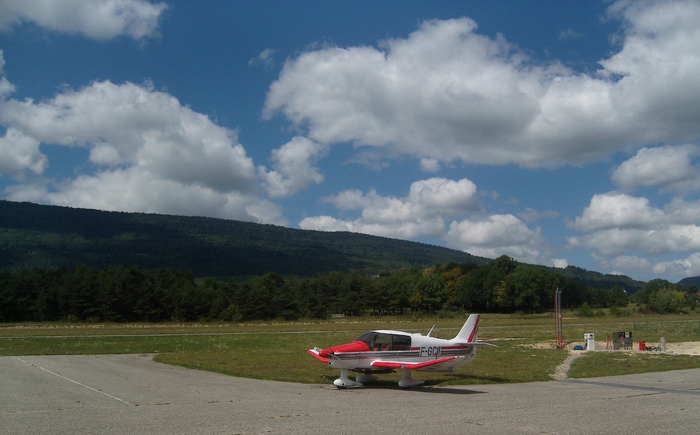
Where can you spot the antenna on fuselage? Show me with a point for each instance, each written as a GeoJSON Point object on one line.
{"type": "Point", "coordinates": [431, 331]}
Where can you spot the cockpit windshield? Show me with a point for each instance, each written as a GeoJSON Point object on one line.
{"type": "Point", "coordinates": [380, 341]}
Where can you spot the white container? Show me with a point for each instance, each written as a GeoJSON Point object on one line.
{"type": "Point", "coordinates": [589, 338]}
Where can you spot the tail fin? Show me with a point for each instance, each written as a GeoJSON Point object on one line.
{"type": "Point", "coordinates": [470, 330]}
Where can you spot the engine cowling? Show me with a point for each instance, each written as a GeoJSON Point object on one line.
{"type": "Point", "coordinates": [355, 346]}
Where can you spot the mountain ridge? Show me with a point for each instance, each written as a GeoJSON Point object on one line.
{"type": "Point", "coordinates": [691, 280]}
{"type": "Point", "coordinates": [34, 235]}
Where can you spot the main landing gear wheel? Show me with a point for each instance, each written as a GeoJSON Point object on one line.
{"type": "Point", "coordinates": [365, 378]}
{"type": "Point", "coordinates": [344, 380]}
{"type": "Point", "coordinates": [406, 380]}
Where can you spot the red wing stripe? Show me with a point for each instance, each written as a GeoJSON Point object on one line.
{"type": "Point", "coordinates": [410, 366]}
{"type": "Point", "coordinates": [387, 364]}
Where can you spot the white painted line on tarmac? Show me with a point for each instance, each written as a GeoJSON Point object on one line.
{"type": "Point", "coordinates": [73, 381]}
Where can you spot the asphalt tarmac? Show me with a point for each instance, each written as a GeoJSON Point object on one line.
{"type": "Point", "coordinates": [127, 394]}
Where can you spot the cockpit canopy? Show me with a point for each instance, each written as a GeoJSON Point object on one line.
{"type": "Point", "coordinates": [381, 341]}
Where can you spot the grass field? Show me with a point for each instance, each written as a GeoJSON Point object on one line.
{"type": "Point", "coordinates": [277, 350]}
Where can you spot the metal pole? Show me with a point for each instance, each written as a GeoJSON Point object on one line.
{"type": "Point", "coordinates": [558, 320]}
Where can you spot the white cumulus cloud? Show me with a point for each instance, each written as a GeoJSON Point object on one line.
{"type": "Point", "coordinates": [137, 190]}
{"type": "Point", "coordinates": [662, 239]}
{"type": "Point", "coordinates": [560, 263]}
{"type": "Point", "coordinates": [626, 264]}
{"type": "Point", "coordinates": [423, 213]}
{"type": "Point", "coordinates": [429, 165]}
{"type": "Point", "coordinates": [19, 153]}
{"type": "Point", "coordinates": [446, 93]}
{"type": "Point", "coordinates": [497, 235]}
{"type": "Point", "coordinates": [689, 266]}
{"type": "Point", "coordinates": [148, 152]}
{"type": "Point", "coordinates": [618, 210]}
{"type": "Point", "coordinates": [95, 19]}
{"type": "Point", "coordinates": [638, 236]}
{"type": "Point", "coordinates": [666, 167]}
{"type": "Point", "coordinates": [420, 214]}
{"type": "Point", "coordinates": [293, 167]}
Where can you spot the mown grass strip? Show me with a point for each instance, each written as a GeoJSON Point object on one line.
{"type": "Point", "coordinates": [277, 351]}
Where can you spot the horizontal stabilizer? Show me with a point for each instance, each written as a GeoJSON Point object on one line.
{"type": "Point", "coordinates": [481, 344]}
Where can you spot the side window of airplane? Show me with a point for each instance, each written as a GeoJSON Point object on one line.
{"type": "Point", "coordinates": [402, 342]}
{"type": "Point", "coordinates": [377, 341]}
{"type": "Point", "coordinates": [368, 338]}
{"type": "Point", "coordinates": [382, 342]}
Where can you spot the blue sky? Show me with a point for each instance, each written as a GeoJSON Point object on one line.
{"type": "Point", "coordinates": [559, 133]}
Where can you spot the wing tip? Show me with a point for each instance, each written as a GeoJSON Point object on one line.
{"type": "Point", "coordinates": [314, 353]}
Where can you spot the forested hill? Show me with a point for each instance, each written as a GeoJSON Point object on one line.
{"type": "Point", "coordinates": [693, 280]}
{"type": "Point", "coordinates": [34, 235]}
{"type": "Point", "coordinates": [599, 280]}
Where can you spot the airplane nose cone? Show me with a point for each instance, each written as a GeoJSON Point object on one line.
{"type": "Point", "coordinates": [355, 346]}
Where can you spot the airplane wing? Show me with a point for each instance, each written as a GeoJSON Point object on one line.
{"type": "Point", "coordinates": [408, 365]}
{"type": "Point", "coordinates": [314, 353]}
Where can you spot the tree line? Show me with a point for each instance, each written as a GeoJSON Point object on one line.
{"type": "Point", "coordinates": [135, 294]}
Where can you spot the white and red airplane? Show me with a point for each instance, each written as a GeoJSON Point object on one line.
{"type": "Point", "coordinates": [385, 351]}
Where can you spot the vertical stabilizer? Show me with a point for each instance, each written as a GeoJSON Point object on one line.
{"type": "Point", "coordinates": [470, 330]}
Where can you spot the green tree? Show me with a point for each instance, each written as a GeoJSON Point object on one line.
{"type": "Point", "coordinates": [531, 288]}
{"type": "Point", "coordinates": [80, 293]}
{"type": "Point", "coordinates": [110, 298]}
{"type": "Point", "coordinates": [473, 292]}
{"type": "Point", "coordinates": [433, 294]}
{"type": "Point", "coordinates": [400, 287]}
{"type": "Point", "coordinates": [585, 310]}
{"type": "Point", "coordinates": [452, 278]}
{"type": "Point", "coordinates": [329, 285]}
{"type": "Point", "coordinates": [666, 300]}
{"type": "Point", "coordinates": [617, 297]}
{"type": "Point", "coordinates": [259, 297]}
{"type": "Point", "coordinates": [505, 264]}
{"type": "Point", "coordinates": [376, 296]}
{"type": "Point", "coordinates": [573, 292]}
{"type": "Point", "coordinates": [312, 301]}
{"type": "Point", "coordinates": [650, 289]}
{"type": "Point", "coordinates": [352, 287]}
{"type": "Point", "coordinates": [49, 284]}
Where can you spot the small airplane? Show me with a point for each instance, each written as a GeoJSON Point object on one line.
{"type": "Point", "coordinates": [385, 351]}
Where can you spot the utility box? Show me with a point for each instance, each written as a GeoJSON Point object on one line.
{"type": "Point", "coordinates": [623, 341]}
{"type": "Point", "coordinates": [589, 339]}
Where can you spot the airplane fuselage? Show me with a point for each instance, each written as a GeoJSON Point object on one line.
{"type": "Point", "coordinates": [421, 349]}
